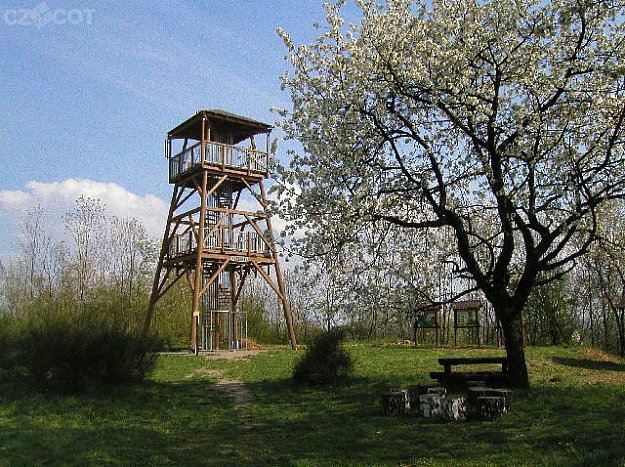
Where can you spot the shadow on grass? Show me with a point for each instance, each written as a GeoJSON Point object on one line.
{"type": "Point", "coordinates": [189, 423]}
{"type": "Point", "coordinates": [148, 424]}
{"type": "Point", "coordinates": [589, 364]}
{"type": "Point", "coordinates": [295, 425]}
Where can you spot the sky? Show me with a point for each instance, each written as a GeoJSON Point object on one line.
{"type": "Point", "coordinates": [89, 90]}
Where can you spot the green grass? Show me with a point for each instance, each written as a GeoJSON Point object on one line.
{"type": "Point", "coordinates": [574, 415]}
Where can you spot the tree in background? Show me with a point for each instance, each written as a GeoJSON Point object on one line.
{"type": "Point", "coordinates": [551, 313]}
{"type": "Point", "coordinates": [86, 225]}
{"type": "Point", "coordinates": [105, 263]}
{"type": "Point", "coordinates": [457, 114]}
{"type": "Point", "coordinates": [604, 268]}
{"type": "Point", "coordinates": [71, 311]}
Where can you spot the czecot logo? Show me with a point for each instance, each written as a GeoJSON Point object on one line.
{"type": "Point", "coordinates": [42, 15]}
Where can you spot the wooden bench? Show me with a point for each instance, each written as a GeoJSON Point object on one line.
{"type": "Point", "coordinates": [449, 378]}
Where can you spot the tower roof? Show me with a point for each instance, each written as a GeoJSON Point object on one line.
{"type": "Point", "coordinates": [238, 126]}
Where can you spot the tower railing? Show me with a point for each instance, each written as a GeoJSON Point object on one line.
{"type": "Point", "coordinates": [229, 241]}
{"type": "Point", "coordinates": [218, 154]}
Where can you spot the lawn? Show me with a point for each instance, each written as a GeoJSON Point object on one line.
{"type": "Point", "coordinates": [574, 415]}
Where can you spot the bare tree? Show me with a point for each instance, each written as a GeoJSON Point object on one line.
{"type": "Point", "coordinates": [34, 245]}
{"type": "Point", "coordinates": [86, 225]}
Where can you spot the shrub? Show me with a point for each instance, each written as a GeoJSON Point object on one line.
{"type": "Point", "coordinates": [76, 352]}
{"type": "Point", "coordinates": [325, 360]}
{"type": "Point", "coordinates": [8, 350]}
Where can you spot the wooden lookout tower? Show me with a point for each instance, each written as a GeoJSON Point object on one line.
{"type": "Point", "coordinates": [218, 231]}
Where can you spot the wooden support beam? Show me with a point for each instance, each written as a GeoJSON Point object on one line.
{"type": "Point", "coordinates": [235, 318]}
{"type": "Point", "coordinates": [170, 284]}
{"type": "Point", "coordinates": [217, 185]}
{"type": "Point", "coordinates": [268, 279]}
{"type": "Point", "coordinates": [181, 201]}
{"type": "Point", "coordinates": [162, 282]}
{"type": "Point", "coordinates": [246, 222]}
{"type": "Point", "coordinates": [197, 279]}
{"type": "Point", "coordinates": [258, 197]}
{"type": "Point", "coordinates": [241, 283]}
{"type": "Point", "coordinates": [235, 211]}
{"type": "Point", "coordinates": [215, 227]}
{"type": "Point", "coordinates": [260, 232]}
{"type": "Point", "coordinates": [288, 316]}
{"type": "Point", "coordinates": [154, 296]}
{"type": "Point", "coordinates": [182, 215]}
{"type": "Point", "coordinates": [214, 276]}
{"type": "Point", "coordinates": [173, 232]}
{"type": "Point", "coordinates": [198, 184]}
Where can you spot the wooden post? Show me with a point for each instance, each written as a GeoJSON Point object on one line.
{"type": "Point", "coordinates": [233, 299]}
{"type": "Point", "coordinates": [203, 142]}
{"type": "Point", "coordinates": [438, 328]}
{"type": "Point", "coordinates": [267, 156]}
{"type": "Point", "coordinates": [199, 269]}
{"type": "Point", "coordinates": [455, 328]}
{"type": "Point", "coordinates": [285, 301]}
{"type": "Point", "coordinates": [478, 328]}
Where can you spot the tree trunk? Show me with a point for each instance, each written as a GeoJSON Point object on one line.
{"type": "Point", "coordinates": [512, 326]}
{"type": "Point", "coordinates": [620, 319]}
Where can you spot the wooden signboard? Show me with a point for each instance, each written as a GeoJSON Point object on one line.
{"type": "Point", "coordinates": [466, 316]}
{"type": "Point", "coordinates": [427, 318]}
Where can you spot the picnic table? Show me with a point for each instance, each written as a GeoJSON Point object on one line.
{"type": "Point", "coordinates": [448, 377]}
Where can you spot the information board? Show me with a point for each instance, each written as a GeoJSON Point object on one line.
{"type": "Point", "coordinates": [427, 319]}
{"type": "Point", "coordinates": [466, 318]}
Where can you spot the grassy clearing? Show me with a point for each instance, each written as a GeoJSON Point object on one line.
{"type": "Point", "coordinates": [573, 416]}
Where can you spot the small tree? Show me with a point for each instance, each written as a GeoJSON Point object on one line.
{"type": "Point", "coordinates": [501, 113]}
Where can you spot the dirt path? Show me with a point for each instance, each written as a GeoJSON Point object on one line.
{"type": "Point", "coordinates": [230, 354]}
{"type": "Point", "coordinates": [231, 387]}
{"type": "Point", "coordinates": [235, 389]}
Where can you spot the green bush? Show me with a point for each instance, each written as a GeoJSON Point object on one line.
{"type": "Point", "coordinates": [52, 350]}
{"type": "Point", "coordinates": [8, 349]}
{"type": "Point", "coordinates": [325, 360]}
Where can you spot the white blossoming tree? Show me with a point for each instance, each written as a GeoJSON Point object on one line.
{"type": "Point", "coordinates": [508, 114]}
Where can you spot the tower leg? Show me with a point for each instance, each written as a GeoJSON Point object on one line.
{"type": "Point", "coordinates": [288, 315]}
{"type": "Point", "coordinates": [286, 306]}
{"type": "Point", "coordinates": [199, 268]}
{"type": "Point", "coordinates": [157, 285]}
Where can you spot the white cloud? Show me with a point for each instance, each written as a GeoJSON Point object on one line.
{"type": "Point", "coordinates": [57, 198]}
{"type": "Point", "coordinates": [13, 200]}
